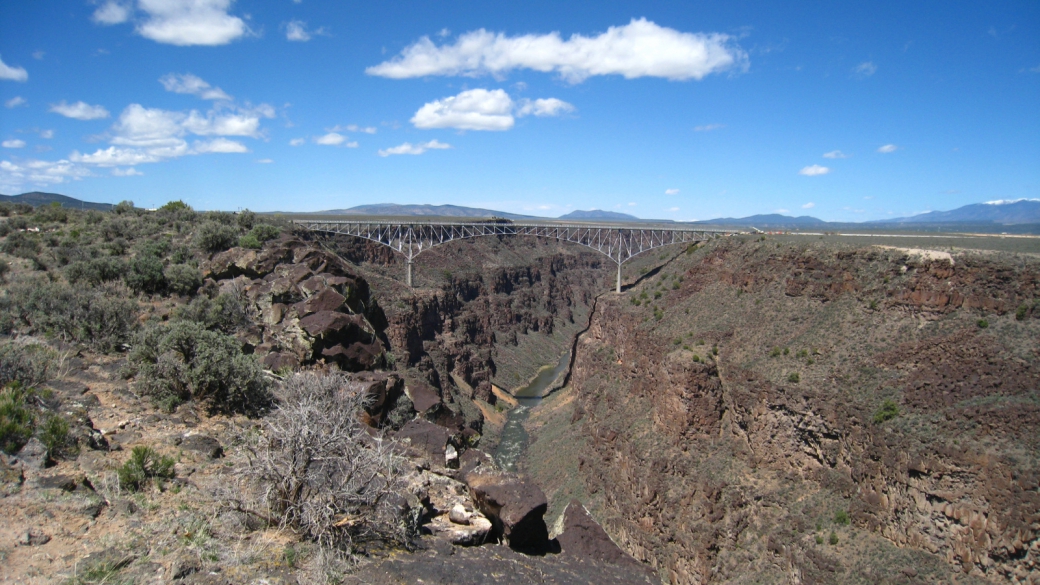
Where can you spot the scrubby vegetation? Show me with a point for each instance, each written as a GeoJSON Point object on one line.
{"type": "Point", "coordinates": [144, 466]}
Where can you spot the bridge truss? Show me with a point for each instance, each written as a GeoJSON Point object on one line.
{"type": "Point", "coordinates": [411, 238]}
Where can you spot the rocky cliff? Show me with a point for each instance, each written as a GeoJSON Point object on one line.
{"type": "Point", "coordinates": [810, 413]}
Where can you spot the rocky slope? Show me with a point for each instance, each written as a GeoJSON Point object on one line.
{"type": "Point", "coordinates": [777, 411]}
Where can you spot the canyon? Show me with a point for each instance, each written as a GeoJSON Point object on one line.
{"type": "Point", "coordinates": [749, 409]}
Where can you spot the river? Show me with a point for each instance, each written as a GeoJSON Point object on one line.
{"type": "Point", "coordinates": [513, 441]}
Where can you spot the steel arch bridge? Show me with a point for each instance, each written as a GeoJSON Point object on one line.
{"type": "Point", "coordinates": [411, 238]}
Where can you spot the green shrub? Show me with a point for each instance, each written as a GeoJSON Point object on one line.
{"type": "Point", "coordinates": [174, 206]}
{"type": "Point", "coordinates": [5, 267]}
{"type": "Point", "coordinates": [841, 518]}
{"type": "Point", "coordinates": [54, 434]}
{"type": "Point", "coordinates": [802, 353]}
{"type": "Point", "coordinates": [103, 317]}
{"type": "Point", "coordinates": [16, 418]}
{"type": "Point", "coordinates": [146, 274]}
{"type": "Point", "coordinates": [22, 245]}
{"type": "Point", "coordinates": [264, 232]}
{"type": "Point", "coordinates": [183, 279]}
{"type": "Point", "coordinates": [833, 538]}
{"type": "Point", "coordinates": [819, 539]}
{"type": "Point", "coordinates": [982, 323]}
{"type": "Point", "coordinates": [249, 241]}
{"type": "Point", "coordinates": [28, 365]}
{"type": "Point", "coordinates": [96, 270]}
{"type": "Point", "coordinates": [185, 361]}
{"type": "Point", "coordinates": [714, 350]}
{"type": "Point", "coordinates": [53, 213]}
{"type": "Point", "coordinates": [888, 411]}
{"type": "Point", "coordinates": [1020, 314]}
{"type": "Point", "coordinates": [245, 219]}
{"type": "Point", "coordinates": [794, 378]}
{"type": "Point", "coordinates": [123, 207]}
{"type": "Point", "coordinates": [143, 466]}
{"type": "Point", "coordinates": [696, 358]}
{"type": "Point", "coordinates": [775, 353]}
{"type": "Point", "coordinates": [213, 237]}
{"type": "Point", "coordinates": [224, 313]}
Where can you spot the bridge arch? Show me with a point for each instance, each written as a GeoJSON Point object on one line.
{"type": "Point", "coordinates": [411, 238]}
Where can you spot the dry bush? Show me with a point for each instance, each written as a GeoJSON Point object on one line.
{"type": "Point", "coordinates": [316, 469]}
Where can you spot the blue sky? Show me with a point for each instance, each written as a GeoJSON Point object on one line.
{"type": "Point", "coordinates": [678, 110]}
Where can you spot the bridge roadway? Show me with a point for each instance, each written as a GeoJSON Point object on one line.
{"type": "Point", "coordinates": [410, 237]}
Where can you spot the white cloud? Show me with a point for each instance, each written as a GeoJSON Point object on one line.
{"type": "Point", "coordinates": [543, 107]}
{"type": "Point", "coordinates": [671, 191]}
{"type": "Point", "coordinates": [443, 32]}
{"type": "Point", "coordinates": [888, 148]}
{"type": "Point", "coordinates": [12, 73]}
{"type": "Point", "coordinates": [114, 156]}
{"type": "Point", "coordinates": [130, 172]}
{"type": "Point", "coordinates": [190, 22]}
{"type": "Point", "coordinates": [814, 170]}
{"type": "Point", "coordinates": [47, 134]}
{"type": "Point", "coordinates": [264, 161]}
{"type": "Point", "coordinates": [297, 142]}
{"type": "Point", "coordinates": [781, 210]}
{"type": "Point", "coordinates": [632, 204]}
{"type": "Point", "coordinates": [835, 154]}
{"type": "Point", "coordinates": [15, 102]}
{"type": "Point", "coordinates": [638, 49]}
{"type": "Point", "coordinates": [482, 109]}
{"type": "Point", "coordinates": [809, 205]}
{"type": "Point", "coordinates": [38, 55]}
{"type": "Point", "coordinates": [79, 111]}
{"type": "Point", "coordinates": [223, 124]}
{"type": "Point", "coordinates": [13, 143]}
{"type": "Point", "coordinates": [708, 127]}
{"type": "Point", "coordinates": [112, 12]}
{"type": "Point", "coordinates": [409, 148]}
{"type": "Point", "coordinates": [190, 84]}
{"type": "Point", "coordinates": [296, 30]}
{"type": "Point", "coordinates": [219, 145]}
{"type": "Point", "coordinates": [352, 128]}
{"type": "Point", "coordinates": [865, 69]}
{"type": "Point", "coordinates": [39, 172]}
{"type": "Point", "coordinates": [475, 109]}
{"type": "Point", "coordinates": [673, 209]}
{"type": "Point", "coordinates": [334, 139]}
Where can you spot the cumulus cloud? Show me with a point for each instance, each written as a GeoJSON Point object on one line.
{"type": "Point", "coordinates": [114, 156]}
{"type": "Point", "coordinates": [543, 107]}
{"type": "Point", "coordinates": [297, 142]}
{"type": "Point", "coordinates": [39, 172]}
{"type": "Point", "coordinates": [814, 170]}
{"type": "Point", "coordinates": [835, 154]}
{"type": "Point", "coordinates": [708, 127]}
{"type": "Point", "coordinates": [190, 84]}
{"type": "Point", "coordinates": [190, 22]}
{"type": "Point", "coordinates": [334, 139]}
{"type": "Point", "coordinates": [79, 111]}
{"type": "Point", "coordinates": [219, 145]}
{"type": "Point", "coordinates": [12, 73]}
{"type": "Point", "coordinates": [865, 69]}
{"type": "Point", "coordinates": [112, 12]}
{"type": "Point", "coordinates": [888, 148]}
{"type": "Point", "coordinates": [671, 191]}
{"type": "Point", "coordinates": [639, 49]}
{"type": "Point", "coordinates": [296, 30]}
{"type": "Point", "coordinates": [130, 172]}
{"type": "Point", "coordinates": [482, 109]}
{"type": "Point", "coordinates": [475, 109]}
{"type": "Point", "coordinates": [15, 102]}
{"type": "Point", "coordinates": [409, 148]}
{"type": "Point", "coordinates": [13, 143]}
{"type": "Point", "coordinates": [809, 205]}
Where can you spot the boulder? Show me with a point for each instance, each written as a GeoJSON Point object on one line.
{"type": "Point", "coordinates": [515, 506]}
{"type": "Point", "coordinates": [423, 396]}
{"type": "Point", "coordinates": [323, 323]}
{"type": "Point", "coordinates": [33, 537]}
{"type": "Point", "coordinates": [34, 454]}
{"type": "Point", "coordinates": [203, 444]}
{"type": "Point", "coordinates": [354, 357]}
{"type": "Point", "coordinates": [584, 538]}
{"type": "Point", "coordinates": [425, 437]}
{"type": "Point", "coordinates": [277, 360]}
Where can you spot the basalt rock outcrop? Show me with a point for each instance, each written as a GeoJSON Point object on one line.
{"type": "Point", "coordinates": [736, 426]}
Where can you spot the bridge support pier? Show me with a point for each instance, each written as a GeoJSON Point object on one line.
{"type": "Point", "coordinates": [618, 278]}
{"type": "Point", "coordinates": [409, 264]}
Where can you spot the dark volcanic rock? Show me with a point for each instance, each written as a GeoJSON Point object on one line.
{"type": "Point", "coordinates": [426, 437]}
{"type": "Point", "coordinates": [325, 322]}
{"type": "Point", "coordinates": [584, 538]}
{"type": "Point", "coordinates": [422, 395]}
{"type": "Point", "coordinates": [34, 454]}
{"type": "Point", "coordinates": [207, 446]}
{"type": "Point", "coordinates": [516, 507]}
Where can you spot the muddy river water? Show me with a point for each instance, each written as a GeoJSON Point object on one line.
{"type": "Point", "coordinates": [513, 441]}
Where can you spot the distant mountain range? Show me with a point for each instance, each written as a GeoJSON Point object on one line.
{"type": "Point", "coordinates": [1018, 215]}
{"type": "Point", "coordinates": [39, 198]}
{"type": "Point", "coordinates": [600, 214]}
{"type": "Point", "coordinates": [424, 210]}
